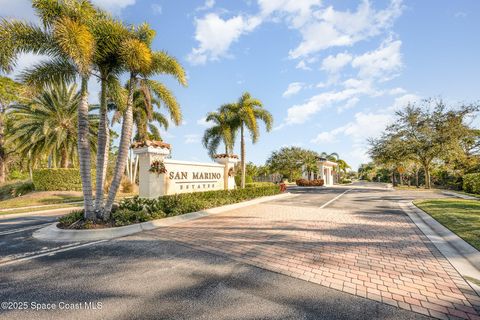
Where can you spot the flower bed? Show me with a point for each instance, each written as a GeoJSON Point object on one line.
{"type": "Point", "coordinates": [309, 183]}
{"type": "Point", "coordinates": [137, 210]}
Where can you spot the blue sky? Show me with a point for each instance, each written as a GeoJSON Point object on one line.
{"type": "Point", "coordinates": [331, 72]}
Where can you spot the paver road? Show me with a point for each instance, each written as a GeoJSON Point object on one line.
{"type": "Point", "coordinates": [304, 257]}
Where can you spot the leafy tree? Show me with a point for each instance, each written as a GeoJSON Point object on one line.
{"type": "Point", "coordinates": [222, 131]}
{"type": "Point", "coordinates": [425, 133]}
{"type": "Point", "coordinates": [246, 113]}
{"type": "Point", "coordinates": [287, 161]}
{"type": "Point", "coordinates": [10, 92]}
{"type": "Point", "coordinates": [47, 125]}
{"type": "Point", "coordinates": [66, 38]}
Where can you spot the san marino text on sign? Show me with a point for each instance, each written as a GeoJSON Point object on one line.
{"type": "Point", "coordinates": [181, 176]}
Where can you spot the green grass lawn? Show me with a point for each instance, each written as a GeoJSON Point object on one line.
{"type": "Point", "coordinates": [48, 198]}
{"type": "Point", "coordinates": [59, 206]}
{"type": "Point", "coordinates": [460, 216]}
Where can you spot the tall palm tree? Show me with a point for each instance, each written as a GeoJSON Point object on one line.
{"type": "Point", "coordinates": [142, 64]}
{"type": "Point", "coordinates": [221, 131]}
{"type": "Point", "coordinates": [247, 111]}
{"type": "Point", "coordinates": [66, 38]}
{"type": "Point", "coordinates": [47, 125]}
{"type": "Point", "coordinates": [145, 114]}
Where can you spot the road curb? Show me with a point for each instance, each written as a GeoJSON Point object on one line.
{"type": "Point", "coordinates": [459, 195]}
{"type": "Point", "coordinates": [52, 233]}
{"type": "Point", "coordinates": [464, 257]}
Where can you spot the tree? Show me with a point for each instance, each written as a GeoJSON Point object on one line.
{"type": "Point", "coordinates": [424, 133]}
{"type": "Point", "coordinates": [287, 161]}
{"type": "Point", "coordinates": [246, 113]}
{"type": "Point", "coordinates": [142, 64]}
{"type": "Point", "coordinates": [222, 131]}
{"type": "Point", "coordinates": [308, 160]}
{"type": "Point", "coordinates": [145, 114]}
{"type": "Point", "coordinates": [10, 93]}
{"type": "Point", "coordinates": [329, 156]}
{"type": "Point", "coordinates": [66, 38]}
{"type": "Point", "coordinates": [47, 125]}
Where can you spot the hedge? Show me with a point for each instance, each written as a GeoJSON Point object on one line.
{"type": "Point", "coordinates": [471, 183]}
{"type": "Point", "coordinates": [59, 179]}
{"type": "Point", "coordinates": [309, 183]}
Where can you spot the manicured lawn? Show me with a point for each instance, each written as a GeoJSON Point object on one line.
{"type": "Point", "coordinates": [48, 198]}
{"type": "Point", "coordinates": [59, 206]}
{"type": "Point", "coordinates": [460, 216]}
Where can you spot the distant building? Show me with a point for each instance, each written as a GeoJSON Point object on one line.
{"type": "Point", "coordinates": [325, 171]}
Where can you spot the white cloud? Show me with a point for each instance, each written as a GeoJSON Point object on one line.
{"type": "Point", "coordinates": [460, 14]}
{"type": "Point", "coordinates": [114, 6]}
{"type": "Point", "coordinates": [404, 100]}
{"type": "Point", "coordinates": [303, 65]}
{"type": "Point", "coordinates": [364, 126]}
{"type": "Point", "coordinates": [157, 8]}
{"type": "Point", "coordinates": [203, 122]}
{"type": "Point", "coordinates": [397, 91]}
{"type": "Point", "coordinates": [207, 5]}
{"type": "Point", "coordinates": [381, 63]}
{"type": "Point", "coordinates": [192, 138]}
{"type": "Point", "coordinates": [297, 12]}
{"type": "Point", "coordinates": [300, 113]}
{"type": "Point", "coordinates": [333, 64]}
{"type": "Point", "coordinates": [331, 28]}
{"type": "Point", "coordinates": [293, 88]}
{"type": "Point", "coordinates": [215, 35]}
{"type": "Point", "coordinates": [348, 105]}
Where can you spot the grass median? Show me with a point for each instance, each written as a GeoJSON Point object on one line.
{"type": "Point", "coordinates": [460, 216]}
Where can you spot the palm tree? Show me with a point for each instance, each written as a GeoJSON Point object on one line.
{"type": "Point", "coordinates": [66, 38]}
{"type": "Point", "coordinates": [47, 125]}
{"type": "Point", "coordinates": [330, 156]}
{"type": "Point", "coordinates": [142, 64]}
{"type": "Point", "coordinates": [246, 113]}
{"type": "Point", "coordinates": [309, 161]}
{"type": "Point", "coordinates": [221, 131]}
{"type": "Point", "coordinates": [145, 104]}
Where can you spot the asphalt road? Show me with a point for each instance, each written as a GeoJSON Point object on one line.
{"type": "Point", "coordinates": [143, 277]}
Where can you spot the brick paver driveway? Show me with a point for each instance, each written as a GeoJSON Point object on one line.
{"type": "Point", "coordinates": [362, 244]}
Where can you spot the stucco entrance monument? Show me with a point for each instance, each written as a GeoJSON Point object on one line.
{"type": "Point", "coordinates": [160, 176]}
{"type": "Point", "coordinates": [325, 171]}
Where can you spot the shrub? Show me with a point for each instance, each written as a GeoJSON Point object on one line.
{"type": "Point", "coordinates": [22, 189]}
{"type": "Point", "coordinates": [61, 179]}
{"type": "Point", "coordinates": [309, 183]}
{"type": "Point", "coordinates": [15, 189]}
{"type": "Point", "coordinates": [238, 179]}
{"type": "Point", "coordinates": [123, 217]}
{"type": "Point", "coordinates": [127, 186]}
{"type": "Point", "coordinates": [173, 205]}
{"type": "Point", "coordinates": [70, 218]}
{"type": "Point", "coordinates": [346, 180]}
{"type": "Point", "coordinates": [258, 184]}
{"type": "Point", "coordinates": [18, 175]}
{"type": "Point", "coordinates": [471, 183]}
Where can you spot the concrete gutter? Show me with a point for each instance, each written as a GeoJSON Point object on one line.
{"type": "Point", "coordinates": [459, 195]}
{"type": "Point", "coordinates": [464, 257]}
{"type": "Point", "coordinates": [52, 233]}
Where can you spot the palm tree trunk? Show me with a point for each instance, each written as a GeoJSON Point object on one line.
{"type": "Point", "coordinates": [123, 149]}
{"type": "Point", "coordinates": [64, 161]}
{"type": "Point", "coordinates": [102, 150]}
{"type": "Point", "coordinates": [242, 151]}
{"type": "Point", "coordinates": [84, 151]}
{"type": "Point", "coordinates": [2, 149]}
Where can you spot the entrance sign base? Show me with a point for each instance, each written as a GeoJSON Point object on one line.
{"type": "Point", "coordinates": [180, 176]}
